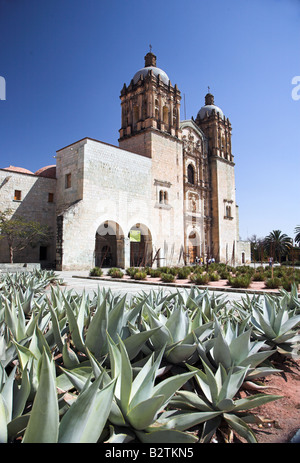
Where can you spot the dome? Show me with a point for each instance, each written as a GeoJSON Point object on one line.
{"type": "Point", "coordinates": [208, 109]}
{"type": "Point", "coordinates": [47, 171]}
{"type": "Point", "coordinates": [21, 170]}
{"type": "Point", "coordinates": [156, 71]}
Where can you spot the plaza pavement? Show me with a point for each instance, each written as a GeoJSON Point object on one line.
{"type": "Point", "coordinates": [79, 280]}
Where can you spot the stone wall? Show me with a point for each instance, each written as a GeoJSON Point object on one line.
{"type": "Point", "coordinates": [116, 187]}
{"type": "Point", "coordinates": [33, 205]}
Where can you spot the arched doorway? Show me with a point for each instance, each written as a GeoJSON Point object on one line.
{"type": "Point", "coordinates": [140, 246]}
{"type": "Point", "coordinates": [193, 246]}
{"type": "Point", "coordinates": [109, 245]}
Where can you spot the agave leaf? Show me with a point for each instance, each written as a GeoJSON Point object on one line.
{"type": "Point", "coordinates": [240, 427]}
{"type": "Point", "coordinates": [56, 329]}
{"type": "Point", "coordinates": [264, 326]}
{"type": "Point", "coordinates": [96, 337]}
{"type": "Point", "coordinates": [190, 400]}
{"type": "Point", "coordinates": [142, 386]}
{"type": "Point", "coordinates": [144, 413]}
{"type": "Point", "coordinates": [180, 352]}
{"type": "Point", "coordinates": [70, 359]}
{"type": "Point", "coordinates": [44, 419]}
{"type": "Point", "coordinates": [169, 386]}
{"type": "Point", "coordinates": [21, 395]}
{"type": "Point", "coordinates": [163, 436]}
{"type": "Point", "coordinates": [119, 437]}
{"type": "Point", "coordinates": [78, 381]}
{"type": "Point", "coordinates": [255, 401]}
{"type": "Point", "coordinates": [74, 327]}
{"type": "Point", "coordinates": [221, 351]}
{"type": "Point", "coordinates": [181, 421]}
{"type": "Point", "coordinates": [178, 324]}
{"type": "Point", "coordinates": [233, 382]}
{"type": "Point", "coordinates": [115, 319]}
{"type": "Point", "coordinates": [135, 342]}
{"type": "Point", "coordinates": [73, 378]}
{"type": "Point", "coordinates": [17, 425]}
{"type": "Point", "coordinates": [240, 346]}
{"type": "Point", "coordinates": [3, 421]}
{"type": "Point", "coordinates": [116, 416]}
{"type": "Point", "coordinates": [289, 324]}
{"type": "Point", "coordinates": [24, 354]}
{"type": "Point", "coordinates": [7, 393]}
{"type": "Point", "coordinates": [126, 377]}
{"type": "Point", "coordinates": [86, 418]}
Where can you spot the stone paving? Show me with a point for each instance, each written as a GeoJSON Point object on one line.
{"type": "Point", "coordinates": [80, 280]}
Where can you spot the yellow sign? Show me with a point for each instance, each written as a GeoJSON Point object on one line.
{"type": "Point", "coordinates": [135, 236]}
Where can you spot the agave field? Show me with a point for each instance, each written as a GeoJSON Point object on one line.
{"type": "Point", "coordinates": [154, 368]}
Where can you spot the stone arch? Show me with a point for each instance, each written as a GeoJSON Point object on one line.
{"type": "Point", "coordinates": [109, 245]}
{"type": "Point", "coordinates": [193, 245]}
{"type": "Point", "coordinates": [191, 174]}
{"type": "Point", "coordinates": [140, 238]}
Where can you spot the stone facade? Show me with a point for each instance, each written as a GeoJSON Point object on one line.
{"type": "Point", "coordinates": [164, 196]}
{"type": "Point", "coordinates": [34, 197]}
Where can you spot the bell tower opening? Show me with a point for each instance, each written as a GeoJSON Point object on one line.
{"type": "Point", "coordinates": [149, 102]}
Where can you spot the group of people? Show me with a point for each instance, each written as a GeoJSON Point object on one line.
{"type": "Point", "coordinates": [200, 261]}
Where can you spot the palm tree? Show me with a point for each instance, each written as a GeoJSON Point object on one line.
{"type": "Point", "coordinates": [297, 237]}
{"type": "Point", "coordinates": [277, 244]}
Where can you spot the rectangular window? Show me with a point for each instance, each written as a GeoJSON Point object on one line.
{"type": "Point", "coordinates": [43, 252]}
{"type": "Point", "coordinates": [18, 195]}
{"type": "Point", "coordinates": [68, 181]}
{"type": "Point", "coordinates": [50, 197]}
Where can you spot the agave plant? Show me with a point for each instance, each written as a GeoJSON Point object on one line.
{"type": "Point", "coordinates": [232, 347]}
{"type": "Point", "coordinates": [138, 400]}
{"type": "Point", "coordinates": [217, 394]}
{"type": "Point", "coordinates": [278, 326]}
{"type": "Point", "coordinates": [82, 422]}
{"type": "Point", "coordinates": [176, 330]}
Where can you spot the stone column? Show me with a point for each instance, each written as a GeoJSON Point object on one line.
{"type": "Point", "coordinates": [126, 253]}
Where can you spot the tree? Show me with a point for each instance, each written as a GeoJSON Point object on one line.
{"type": "Point", "coordinates": [297, 237]}
{"type": "Point", "coordinates": [20, 233]}
{"type": "Point", "coordinates": [257, 248]}
{"type": "Point", "coordinates": [277, 244]}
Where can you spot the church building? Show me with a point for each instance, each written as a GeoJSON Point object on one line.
{"type": "Point", "coordinates": [164, 196]}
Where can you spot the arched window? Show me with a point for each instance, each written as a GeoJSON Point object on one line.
{"type": "Point", "coordinates": [163, 197]}
{"type": "Point", "coordinates": [191, 174]}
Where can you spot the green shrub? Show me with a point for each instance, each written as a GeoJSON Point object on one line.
{"type": "Point", "coordinates": [115, 273]}
{"type": "Point", "coordinates": [199, 279]}
{"type": "Point", "coordinates": [140, 275]}
{"type": "Point", "coordinates": [224, 274]}
{"type": "Point", "coordinates": [183, 273]}
{"type": "Point", "coordinates": [287, 282]}
{"type": "Point", "coordinates": [167, 277]}
{"type": "Point", "coordinates": [164, 269]}
{"type": "Point", "coordinates": [258, 276]}
{"type": "Point", "coordinates": [214, 276]}
{"type": "Point", "coordinates": [96, 272]}
{"type": "Point", "coordinates": [273, 283]}
{"type": "Point", "coordinates": [240, 281]}
{"type": "Point", "coordinates": [131, 271]}
{"type": "Point", "coordinates": [155, 272]}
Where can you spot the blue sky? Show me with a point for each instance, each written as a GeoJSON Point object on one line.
{"type": "Point", "coordinates": [65, 63]}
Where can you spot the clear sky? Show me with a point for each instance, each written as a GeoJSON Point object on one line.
{"type": "Point", "coordinates": [65, 62]}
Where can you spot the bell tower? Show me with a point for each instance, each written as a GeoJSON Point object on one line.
{"type": "Point", "coordinates": [224, 211]}
{"type": "Point", "coordinates": [149, 102]}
